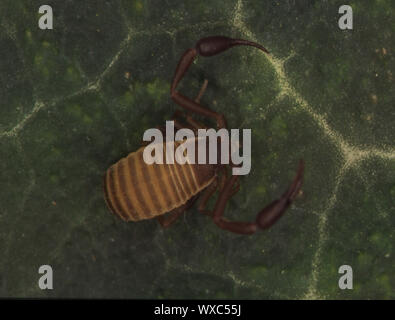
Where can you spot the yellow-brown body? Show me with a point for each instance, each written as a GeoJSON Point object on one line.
{"type": "Point", "coordinates": [135, 190]}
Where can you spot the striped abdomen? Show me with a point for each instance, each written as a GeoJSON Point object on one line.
{"type": "Point", "coordinates": [135, 190]}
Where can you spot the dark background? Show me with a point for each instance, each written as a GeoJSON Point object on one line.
{"type": "Point", "coordinates": [76, 99]}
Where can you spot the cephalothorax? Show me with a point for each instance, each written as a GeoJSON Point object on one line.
{"type": "Point", "coordinates": [135, 190]}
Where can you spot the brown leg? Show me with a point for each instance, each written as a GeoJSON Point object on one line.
{"type": "Point", "coordinates": [194, 125]}
{"type": "Point", "coordinates": [202, 90]}
{"type": "Point", "coordinates": [205, 47]}
{"type": "Point", "coordinates": [219, 183]}
{"type": "Point", "coordinates": [266, 217]}
{"type": "Point", "coordinates": [169, 218]}
{"type": "Point", "coordinates": [205, 197]}
{"type": "Point", "coordinates": [223, 180]}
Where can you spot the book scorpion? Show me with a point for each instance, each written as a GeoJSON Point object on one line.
{"type": "Point", "coordinates": [135, 190]}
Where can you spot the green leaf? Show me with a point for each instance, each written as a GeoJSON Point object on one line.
{"type": "Point", "coordinates": [76, 99]}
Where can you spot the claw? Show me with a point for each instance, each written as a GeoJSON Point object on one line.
{"type": "Point", "coordinates": [270, 214]}
{"type": "Point", "coordinates": [207, 47]}
{"type": "Point", "coordinates": [210, 46]}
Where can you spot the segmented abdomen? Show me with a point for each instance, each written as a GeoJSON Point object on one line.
{"type": "Point", "coordinates": [135, 190]}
